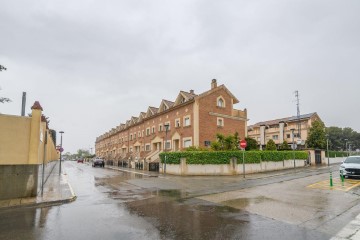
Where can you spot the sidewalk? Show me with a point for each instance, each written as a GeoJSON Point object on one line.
{"type": "Point", "coordinates": [57, 190]}
{"type": "Point", "coordinates": [133, 170]}
{"type": "Point", "coordinates": [350, 232]}
{"type": "Point", "coordinates": [334, 168]}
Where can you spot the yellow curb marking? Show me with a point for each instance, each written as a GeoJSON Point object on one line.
{"type": "Point", "coordinates": [337, 185]}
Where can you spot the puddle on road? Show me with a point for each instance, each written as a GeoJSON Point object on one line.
{"type": "Point", "coordinates": [194, 218]}
{"type": "Point", "coordinates": [242, 203]}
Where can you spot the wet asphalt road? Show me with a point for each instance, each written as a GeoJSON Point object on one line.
{"type": "Point", "coordinates": [117, 205]}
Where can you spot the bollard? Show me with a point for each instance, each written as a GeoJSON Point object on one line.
{"type": "Point", "coordinates": [342, 179]}
{"type": "Point", "coordinates": [331, 181]}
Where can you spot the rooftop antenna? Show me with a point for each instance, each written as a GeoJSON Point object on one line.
{"type": "Point", "coordinates": [298, 112]}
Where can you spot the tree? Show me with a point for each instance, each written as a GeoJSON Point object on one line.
{"type": "Point", "coordinates": [270, 145]}
{"type": "Point", "coordinates": [215, 146]}
{"type": "Point", "coordinates": [316, 137]}
{"type": "Point", "coordinates": [4, 99]}
{"type": "Point", "coordinates": [339, 136]}
{"type": "Point", "coordinates": [251, 144]}
{"type": "Point", "coordinates": [53, 135]}
{"type": "Point", "coordinates": [237, 140]}
{"type": "Point", "coordinates": [284, 146]}
{"type": "Point", "coordinates": [225, 142]}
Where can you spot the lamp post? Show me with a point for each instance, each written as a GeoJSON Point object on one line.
{"type": "Point", "coordinates": [327, 148]}
{"type": "Point", "coordinates": [346, 141]}
{"type": "Point", "coordinates": [61, 149]}
{"type": "Point", "coordinates": [349, 152]}
{"type": "Point", "coordinates": [166, 130]}
{"type": "Point", "coordinates": [293, 144]}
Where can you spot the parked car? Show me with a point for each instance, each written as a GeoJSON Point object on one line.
{"type": "Point", "coordinates": [98, 162]}
{"type": "Point", "coordinates": [350, 167]}
{"type": "Point", "coordinates": [80, 160]}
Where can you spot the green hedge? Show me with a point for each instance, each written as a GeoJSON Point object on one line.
{"type": "Point", "coordinates": [223, 157]}
{"type": "Point", "coordinates": [333, 154]}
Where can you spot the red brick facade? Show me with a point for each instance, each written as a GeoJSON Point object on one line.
{"type": "Point", "coordinates": [143, 137]}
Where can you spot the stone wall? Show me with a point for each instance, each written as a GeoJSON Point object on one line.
{"type": "Point", "coordinates": [229, 169]}
{"type": "Point", "coordinates": [18, 181]}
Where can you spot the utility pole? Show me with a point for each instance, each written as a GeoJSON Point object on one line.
{"type": "Point", "coordinates": [298, 113]}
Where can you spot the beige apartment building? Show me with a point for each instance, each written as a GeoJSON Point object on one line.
{"type": "Point", "coordinates": [190, 120]}
{"type": "Point", "coordinates": [281, 130]}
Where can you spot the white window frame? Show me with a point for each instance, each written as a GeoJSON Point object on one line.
{"type": "Point", "coordinates": [187, 117]}
{"type": "Point", "coordinates": [188, 139]}
{"type": "Point", "coordinates": [147, 147]}
{"type": "Point", "coordinates": [220, 122]}
{"type": "Point", "coordinates": [167, 144]}
{"type": "Point", "coordinates": [221, 100]}
{"type": "Point", "coordinates": [177, 123]}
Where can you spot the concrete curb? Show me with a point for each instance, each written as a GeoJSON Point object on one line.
{"type": "Point", "coordinates": [37, 201]}
{"type": "Point", "coordinates": [40, 204]}
{"type": "Point", "coordinates": [129, 171]}
{"type": "Point", "coordinates": [350, 232]}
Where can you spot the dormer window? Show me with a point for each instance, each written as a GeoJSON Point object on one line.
{"type": "Point", "coordinates": [182, 100]}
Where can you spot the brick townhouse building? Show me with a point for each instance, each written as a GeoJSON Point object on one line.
{"type": "Point", "coordinates": [282, 129]}
{"type": "Point", "coordinates": [191, 120]}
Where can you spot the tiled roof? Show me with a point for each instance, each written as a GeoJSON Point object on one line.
{"type": "Point", "coordinates": [189, 95]}
{"type": "Point", "coordinates": [154, 109]}
{"type": "Point", "coordinates": [168, 103]}
{"type": "Point", "coordinates": [287, 119]}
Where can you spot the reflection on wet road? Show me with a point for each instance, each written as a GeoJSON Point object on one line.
{"type": "Point", "coordinates": [117, 205]}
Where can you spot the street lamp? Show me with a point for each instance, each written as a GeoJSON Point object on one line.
{"type": "Point", "coordinates": [61, 149]}
{"type": "Point", "coordinates": [166, 130]}
{"type": "Point", "coordinates": [349, 149]}
{"type": "Point", "coordinates": [346, 141]}
{"type": "Point", "coordinates": [293, 144]}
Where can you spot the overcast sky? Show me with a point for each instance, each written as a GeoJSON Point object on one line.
{"type": "Point", "coordinates": [94, 64]}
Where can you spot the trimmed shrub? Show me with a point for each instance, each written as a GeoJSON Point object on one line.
{"type": "Point", "coordinates": [223, 157]}
{"type": "Point", "coordinates": [333, 154]}
{"type": "Point", "coordinates": [273, 156]}
{"type": "Point", "coordinates": [270, 145]}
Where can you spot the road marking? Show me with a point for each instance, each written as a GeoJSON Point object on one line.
{"type": "Point", "coordinates": [337, 185]}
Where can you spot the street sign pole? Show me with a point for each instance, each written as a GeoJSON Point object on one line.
{"type": "Point", "coordinates": [244, 162]}
{"type": "Point", "coordinates": [243, 146]}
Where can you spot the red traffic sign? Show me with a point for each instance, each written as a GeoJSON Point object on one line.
{"type": "Point", "coordinates": [243, 144]}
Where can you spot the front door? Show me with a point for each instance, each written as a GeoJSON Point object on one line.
{"type": "Point", "coordinates": [176, 145]}
{"type": "Point", "coordinates": [317, 156]}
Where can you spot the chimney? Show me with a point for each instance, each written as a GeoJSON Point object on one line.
{"type": "Point", "coordinates": [192, 91]}
{"type": "Point", "coordinates": [23, 104]}
{"type": "Point", "coordinates": [213, 84]}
